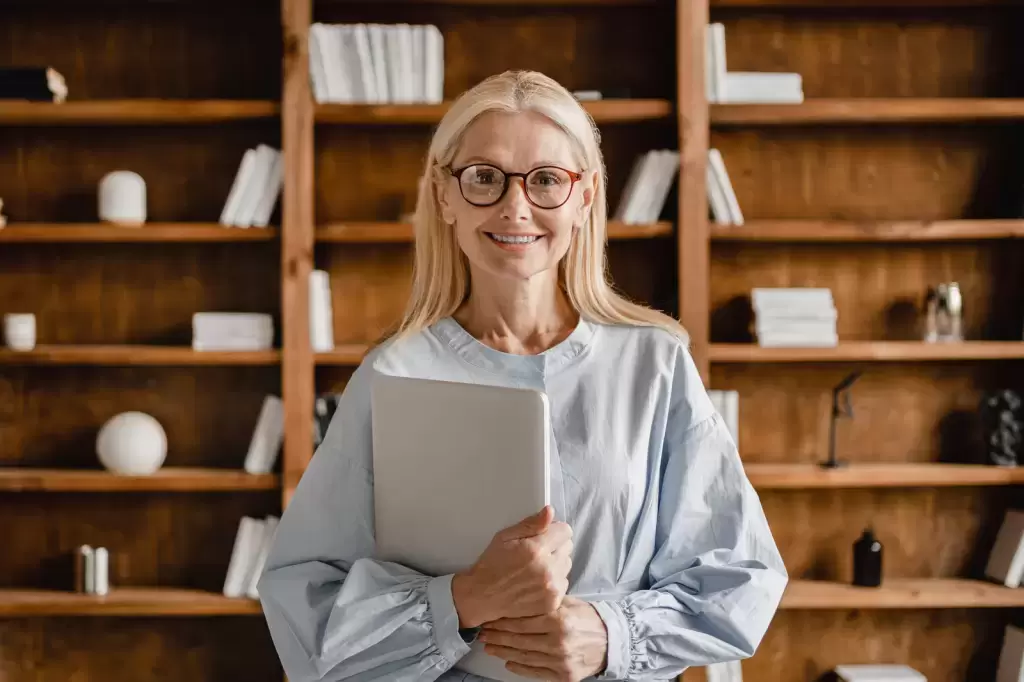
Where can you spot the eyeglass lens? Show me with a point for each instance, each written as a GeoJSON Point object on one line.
{"type": "Point", "coordinates": [547, 187]}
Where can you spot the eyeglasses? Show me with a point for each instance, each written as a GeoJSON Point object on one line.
{"type": "Point", "coordinates": [545, 187]}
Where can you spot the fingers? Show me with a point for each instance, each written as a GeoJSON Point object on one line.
{"type": "Point", "coordinates": [533, 659]}
{"type": "Point", "coordinates": [530, 526]}
{"type": "Point", "coordinates": [541, 643]}
{"type": "Point", "coordinates": [534, 625]}
{"type": "Point", "coordinates": [529, 671]}
{"type": "Point", "coordinates": [557, 535]}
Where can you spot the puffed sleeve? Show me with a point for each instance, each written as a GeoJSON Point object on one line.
{"type": "Point", "coordinates": [716, 577]}
{"type": "Point", "coordinates": [334, 612]}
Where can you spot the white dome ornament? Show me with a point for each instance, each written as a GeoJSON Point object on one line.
{"type": "Point", "coordinates": [122, 199]}
{"type": "Point", "coordinates": [132, 444]}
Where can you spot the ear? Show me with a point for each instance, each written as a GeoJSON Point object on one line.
{"type": "Point", "coordinates": [589, 184]}
{"type": "Point", "coordinates": [442, 191]}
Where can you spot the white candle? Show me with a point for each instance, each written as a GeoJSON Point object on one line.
{"type": "Point", "coordinates": [20, 331]}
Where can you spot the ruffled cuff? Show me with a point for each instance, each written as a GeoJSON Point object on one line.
{"type": "Point", "coordinates": [447, 637]}
{"type": "Point", "coordinates": [619, 640]}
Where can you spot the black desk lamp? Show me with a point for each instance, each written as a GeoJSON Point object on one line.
{"type": "Point", "coordinates": [841, 407]}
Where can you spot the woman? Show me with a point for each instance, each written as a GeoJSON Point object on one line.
{"type": "Point", "coordinates": [660, 557]}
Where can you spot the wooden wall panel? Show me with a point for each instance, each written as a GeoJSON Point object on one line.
{"type": "Point", "coordinates": [52, 174]}
{"type": "Point", "coordinates": [163, 50]}
{"type": "Point", "coordinates": [152, 649]}
{"type": "Point", "coordinates": [881, 52]}
{"type": "Point", "coordinates": [50, 416]}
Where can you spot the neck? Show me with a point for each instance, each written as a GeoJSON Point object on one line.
{"type": "Point", "coordinates": [524, 319]}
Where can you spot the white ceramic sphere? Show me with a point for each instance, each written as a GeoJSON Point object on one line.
{"type": "Point", "coordinates": [122, 198]}
{"type": "Point", "coordinates": [132, 443]}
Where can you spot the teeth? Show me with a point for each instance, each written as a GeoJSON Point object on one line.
{"type": "Point", "coordinates": [513, 239]}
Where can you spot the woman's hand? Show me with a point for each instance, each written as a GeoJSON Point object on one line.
{"type": "Point", "coordinates": [523, 572]}
{"type": "Point", "coordinates": [566, 646]}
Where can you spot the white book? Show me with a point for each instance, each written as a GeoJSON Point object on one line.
{"type": "Point", "coordinates": [408, 68]}
{"type": "Point", "coordinates": [393, 39]}
{"type": "Point", "coordinates": [247, 541]}
{"type": "Point", "coordinates": [718, 166]}
{"type": "Point", "coordinates": [267, 437]}
{"type": "Point", "coordinates": [732, 417]}
{"type": "Point", "coordinates": [345, 88]}
{"type": "Point", "coordinates": [717, 672]}
{"type": "Point", "coordinates": [796, 341]}
{"type": "Point", "coordinates": [878, 673]}
{"type": "Point", "coordinates": [360, 36]}
{"type": "Point", "coordinates": [252, 193]}
{"type": "Point", "coordinates": [266, 542]}
{"type": "Point", "coordinates": [351, 63]}
{"type": "Point", "coordinates": [231, 205]}
{"type": "Point", "coordinates": [767, 88]}
{"type": "Point", "coordinates": [668, 166]}
{"type": "Point", "coordinates": [434, 64]}
{"type": "Point", "coordinates": [330, 47]}
{"type": "Point", "coordinates": [271, 191]}
{"type": "Point", "coordinates": [378, 55]}
{"type": "Point", "coordinates": [808, 298]}
{"type": "Point", "coordinates": [631, 184]}
{"type": "Point", "coordinates": [419, 63]}
{"type": "Point", "coordinates": [317, 74]}
{"type": "Point", "coordinates": [639, 197]}
{"type": "Point", "coordinates": [321, 314]}
{"type": "Point", "coordinates": [715, 70]}
{"type": "Point", "coordinates": [1011, 656]}
{"type": "Point", "coordinates": [716, 198]}
{"type": "Point", "coordinates": [1006, 561]}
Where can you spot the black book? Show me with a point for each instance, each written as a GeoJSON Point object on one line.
{"type": "Point", "coordinates": [33, 83]}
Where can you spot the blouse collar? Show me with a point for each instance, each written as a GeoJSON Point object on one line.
{"type": "Point", "coordinates": [542, 364]}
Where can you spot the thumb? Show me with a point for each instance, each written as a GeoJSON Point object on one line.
{"type": "Point", "coordinates": [532, 525]}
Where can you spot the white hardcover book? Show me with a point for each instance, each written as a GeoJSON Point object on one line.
{"type": "Point", "coordinates": [732, 417]}
{"type": "Point", "coordinates": [1011, 656]}
{"type": "Point", "coordinates": [710, 94]}
{"type": "Point", "coordinates": [408, 68]}
{"type": "Point", "coordinates": [435, 64]}
{"type": "Point", "coordinates": [639, 198]}
{"type": "Point", "coordinates": [718, 61]}
{"type": "Point", "coordinates": [630, 187]}
{"type": "Point", "coordinates": [317, 74]}
{"type": "Point", "coordinates": [716, 197]}
{"type": "Point", "coordinates": [360, 35]}
{"type": "Point", "coordinates": [266, 541]}
{"type": "Point", "coordinates": [653, 204]}
{"type": "Point", "coordinates": [669, 169]}
{"type": "Point", "coordinates": [342, 59]}
{"type": "Point", "coordinates": [271, 191]}
{"type": "Point", "coordinates": [1006, 561]}
{"type": "Point", "coordinates": [735, 671]}
{"type": "Point", "coordinates": [396, 89]}
{"type": "Point", "coordinates": [378, 54]}
{"type": "Point", "coordinates": [330, 47]}
{"type": "Point", "coordinates": [764, 88]}
{"type": "Point", "coordinates": [249, 534]}
{"type": "Point", "coordinates": [351, 64]}
{"type": "Point", "coordinates": [267, 437]}
{"type": "Point", "coordinates": [875, 673]}
{"type": "Point", "coordinates": [321, 313]}
{"type": "Point", "coordinates": [717, 672]}
{"type": "Point", "coordinates": [782, 299]}
{"type": "Point", "coordinates": [255, 186]}
{"type": "Point", "coordinates": [245, 168]}
{"type": "Point", "coordinates": [718, 166]}
{"type": "Point", "coordinates": [419, 63]}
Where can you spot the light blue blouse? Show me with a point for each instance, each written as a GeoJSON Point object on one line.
{"type": "Point", "coordinates": [670, 541]}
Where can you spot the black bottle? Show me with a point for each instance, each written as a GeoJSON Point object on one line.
{"type": "Point", "coordinates": [867, 560]}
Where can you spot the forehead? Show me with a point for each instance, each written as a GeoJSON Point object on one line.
{"type": "Point", "coordinates": [516, 141]}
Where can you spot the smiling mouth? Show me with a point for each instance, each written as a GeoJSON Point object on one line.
{"type": "Point", "coordinates": [515, 239]}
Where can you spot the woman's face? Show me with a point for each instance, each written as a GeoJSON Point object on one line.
{"type": "Point", "coordinates": [515, 238]}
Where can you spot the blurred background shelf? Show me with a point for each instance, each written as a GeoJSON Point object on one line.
{"type": "Point", "coordinates": [42, 233]}
{"type": "Point", "coordinates": [867, 231]}
{"type": "Point", "coordinates": [870, 351]}
{"type": "Point", "coordinates": [127, 601]}
{"type": "Point", "coordinates": [603, 111]}
{"type": "Point", "coordinates": [870, 111]}
{"type": "Point", "coordinates": [134, 355]}
{"type": "Point", "coordinates": [895, 475]}
{"type": "Point", "coordinates": [167, 479]}
{"type": "Point", "coordinates": [135, 112]}
{"type": "Point", "coordinates": [350, 232]}
{"type": "Point", "coordinates": [901, 593]}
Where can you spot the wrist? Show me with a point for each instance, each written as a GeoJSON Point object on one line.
{"type": "Point", "coordinates": [465, 604]}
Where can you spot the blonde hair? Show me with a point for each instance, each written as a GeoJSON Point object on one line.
{"type": "Point", "coordinates": [440, 271]}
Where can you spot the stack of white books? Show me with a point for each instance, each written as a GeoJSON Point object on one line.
{"type": "Point", "coordinates": [321, 312]}
{"type": "Point", "coordinates": [730, 671]}
{"type": "Point", "coordinates": [256, 188]}
{"type": "Point", "coordinates": [376, 63]}
{"type": "Point", "coordinates": [252, 544]}
{"type": "Point", "coordinates": [725, 208]}
{"type": "Point", "coordinates": [727, 404]}
{"type": "Point", "coordinates": [1011, 656]}
{"type": "Point", "coordinates": [267, 437]}
{"type": "Point", "coordinates": [744, 87]}
{"type": "Point", "coordinates": [878, 673]}
{"type": "Point", "coordinates": [796, 317]}
{"type": "Point", "coordinates": [647, 187]}
{"type": "Point", "coordinates": [1006, 560]}
{"type": "Point", "coordinates": [232, 331]}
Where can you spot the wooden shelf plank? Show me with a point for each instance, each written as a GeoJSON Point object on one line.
{"type": "Point", "coordinates": [870, 351]}
{"type": "Point", "coordinates": [134, 112]}
{"type": "Point", "coordinates": [868, 231]}
{"type": "Point", "coordinates": [869, 111]}
{"type": "Point", "coordinates": [859, 4]}
{"type": "Point", "coordinates": [35, 233]}
{"type": "Point", "coordinates": [124, 602]}
{"type": "Point", "coordinates": [898, 475]}
{"type": "Point", "coordinates": [901, 593]}
{"type": "Point", "coordinates": [345, 355]}
{"type": "Point", "coordinates": [134, 355]}
{"type": "Point", "coordinates": [515, 3]}
{"type": "Point", "coordinates": [388, 232]}
{"type": "Point", "coordinates": [603, 111]}
{"type": "Point", "coordinates": [168, 479]}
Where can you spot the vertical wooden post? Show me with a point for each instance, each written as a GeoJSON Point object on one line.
{"type": "Point", "coordinates": [297, 120]}
{"type": "Point", "coordinates": [693, 234]}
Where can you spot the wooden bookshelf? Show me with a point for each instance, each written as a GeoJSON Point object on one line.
{"type": "Point", "coordinates": [99, 233]}
{"type": "Point", "coordinates": [901, 593]}
{"type": "Point", "coordinates": [870, 351]}
{"type": "Point", "coordinates": [343, 355]}
{"type": "Point", "coordinates": [856, 475]}
{"type": "Point", "coordinates": [134, 356]}
{"type": "Point", "coordinates": [123, 601]}
{"type": "Point", "coordinates": [134, 112]}
{"type": "Point", "coordinates": [383, 232]}
{"type": "Point", "coordinates": [603, 111]}
{"type": "Point", "coordinates": [167, 479]}
{"type": "Point", "coordinates": [815, 231]}
{"type": "Point", "coordinates": [870, 111]}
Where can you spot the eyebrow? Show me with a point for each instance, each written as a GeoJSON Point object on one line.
{"type": "Point", "coordinates": [481, 159]}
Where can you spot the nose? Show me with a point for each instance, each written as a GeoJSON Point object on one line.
{"type": "Point", "coordinates": [514, 205]}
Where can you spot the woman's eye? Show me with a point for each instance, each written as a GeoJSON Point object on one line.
{"type": "Point", "coordinates": [546, 179]}
{"type": "Point", "coordinates": [485, 177]}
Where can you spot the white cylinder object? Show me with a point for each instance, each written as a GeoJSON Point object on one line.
{"type": "Point", "coordinates": [101, 583]}
{"type": "Point", "coordinates": [132, 444]}
{"type": "Point", "coordinates": [20, 331]}
{"type": "Point", "coordinates": [122, 198]}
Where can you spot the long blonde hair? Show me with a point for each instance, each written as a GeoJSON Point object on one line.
{"type": "Point", "coordinates": [440, 271]}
